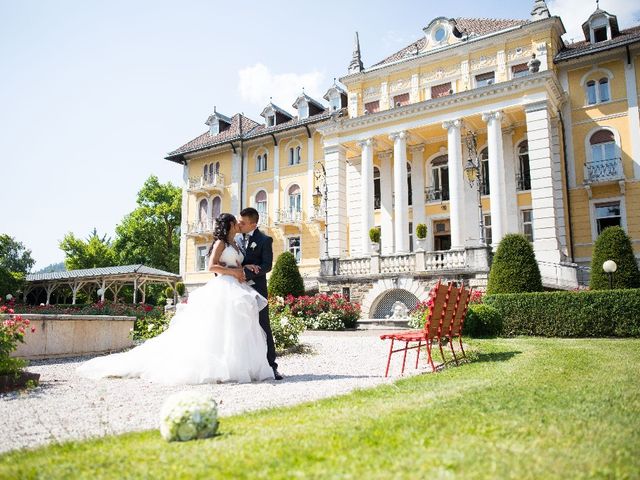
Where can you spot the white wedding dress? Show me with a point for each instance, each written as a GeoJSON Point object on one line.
{"type": "Point", "coordinates": [215, 337]}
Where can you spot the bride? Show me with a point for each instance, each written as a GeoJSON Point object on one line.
{"type": "Point", "coordinates": [215, 337]}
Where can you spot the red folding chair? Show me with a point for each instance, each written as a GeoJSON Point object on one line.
{"type": "Point", "coordinates": [458, 321]}
{"type": "Point", "coordinates": [444, 299]}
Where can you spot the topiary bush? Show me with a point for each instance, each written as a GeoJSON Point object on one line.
{"type": "Point", "coordinates": [614, 244]}
{"type": "Point", "coordinates": [421, 231]}
{"type": "Point", "coordinates": [600, 313]}
{"type": "Point", "coordinates": [180, 288]}
{"type": "Point", "coordinates": [482, 321]}
{"type": "Point", "coordinates": [514, 268]}
{"type": "Point", "coordinates": [285, 277]}
{"type": "Point", "coordinates": [374, 234]}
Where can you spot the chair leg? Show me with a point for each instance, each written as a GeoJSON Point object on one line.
{"type": "Point", "coordinates": [461, 347]}
{"type": "Point", "coordinates": [444, 362]}
{"type": "Point", "coordinates": [418, 354]}
{"type": "Point", "coordinates": [386, 373]}
{"type": "Point", "coordinates": [453, 352]}
{"type": "Point", "coordinates": [429, 345]}
{"type": "Point", "coordinates": [404, 359]}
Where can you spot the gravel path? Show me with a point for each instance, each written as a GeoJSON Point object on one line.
{"type": "Point", "coordinates": [66, 407]}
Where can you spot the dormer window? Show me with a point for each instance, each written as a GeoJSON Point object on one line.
{"type": "Point", "coordinates": [600, 34]}
{"type": "Point", "coordinates": [600, 27]}
{"type": "Point", "coordinates": [335, 102]}
{"type": "Point", "coordinates": [336, 97]}
{"type": "Point", "coordinates": [303, 111]}
{"type": "Point", "coordinates": [217, 123]}
{"type": "Point", "coordinates": [271, 120]}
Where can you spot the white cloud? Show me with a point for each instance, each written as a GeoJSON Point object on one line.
{"type": "Point", "coordinates": [575, 12]}
{"type": "Point", "coordinates": [258, 83]}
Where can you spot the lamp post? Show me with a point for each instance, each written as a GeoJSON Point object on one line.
{"type": "Point", "coordinates": [321, 173]}
{"type": "Point", "coordinates": [610, 268]}
{"type": "Point", "coordinates": [473, 172]}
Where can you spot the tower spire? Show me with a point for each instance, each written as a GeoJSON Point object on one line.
{"type": "Point", "coordinates": [356, 61]}
{"type": "Point", "coordinates": [540, 10]}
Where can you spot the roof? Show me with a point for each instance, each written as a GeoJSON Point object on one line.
{"type": "Point", "coordinates": [578, 49]}
{"type": "Point", "coordinates": [473, 27]}
{"type": "Point", "coordinates": [100, 272]}
{"type": "Point", "coordinates": [250, 129]}
{"type": "Point", "coordinates": [308, 99]}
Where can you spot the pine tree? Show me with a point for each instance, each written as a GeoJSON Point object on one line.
{"type": "Point", "coordinates": [614, 244]}
{"type": "Point", "coordinates": [514, 267]}
{"type": "Point", "coordinates": [285, 277]}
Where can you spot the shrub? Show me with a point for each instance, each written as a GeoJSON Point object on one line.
{"type": "Point", "coordinates": [324, 321]}
{"type": "Point", "coordinates": [12, 331]}
{"type": "Point", "coordinates": [608, 313]}
{"type": "Point", "coordinates": [180, 288]}
{"type": "Point", "coordinates": [614, 244]}
{"type": "Point", "coordinates": [286, 328]}
{"type": "Point", "coordinates": [168, 292]}
{"type": "Point", "coordinates": [418, 315]}
{"type": "Point", "coordinates": [482, 321]}
{"type": "Point", "coordinates": [149, 327]}
{"type": "Point", "coordinates": [514, 267]}
{"type": "Point", "coordinates": [308, 308]}
{"type": "Point", "coordinates": [421, 231]}
{"type": "Point", "coordinates": [374, 234]}
{"type": "Point", "coordinates": [285, 277]}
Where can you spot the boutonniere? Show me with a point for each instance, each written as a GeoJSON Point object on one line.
{"type": "Point", "coordinates": [253, 245]}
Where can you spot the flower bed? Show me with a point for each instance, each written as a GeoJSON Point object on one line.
{"type": "Point", "coordinates": [12, 331]}
{"type": "Point", "coordinates": [319, 312]}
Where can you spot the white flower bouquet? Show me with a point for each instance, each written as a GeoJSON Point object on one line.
{"type": "Point", "coordinates": [188, 415]}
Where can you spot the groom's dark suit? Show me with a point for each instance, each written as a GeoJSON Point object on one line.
{"type": "Point", "coordinates": [259, 251]}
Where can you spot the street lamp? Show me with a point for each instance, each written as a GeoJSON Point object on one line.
{"type": "Point", "coordinates": [321, 174]}
{"type": "Point", "coordinates": [610, 268]}
{"type": "Point", "coordinates": [473, 172]}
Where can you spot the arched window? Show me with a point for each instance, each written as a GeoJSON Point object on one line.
{"type": "Point", "coordinates": [291, 156]}
{"type": "Point", "coordinates": [261, 203]}
{"type": "Point", "coordinates": [484, 164]}
{"type": "Point", "coordinates": [203, 210]}
{"type": "Point", "coordinates": [439, 189]}
{"type": "Point", "coordinates": [603, 146]}
{"type": "Point", "coordinates": [409, 182]}
{"type": "Point", "coordinates": [603, 90]}
{"type": "Point", "coordinates": [211, 177]}
{"type": "Point", "coordinates": [376, 188]}
{"type": "Point", "coordinates": [217, 169]}
{"type": "Point", "coordinates": [524, 172]}
{"type": "Point", "coordinates": [261, 162]}
{"type": "Point", "coordinates": [295, 198]}
{"type": "Point", "coordinates": [298, 153]}
{"type": "Point", "coordinates": [205, 172]}
{"type": "Point", "coordinates": [591, 93]}
{"type": "Point", "coordinates": [216, 207]}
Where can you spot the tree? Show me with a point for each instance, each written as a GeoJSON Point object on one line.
{"type": "Point", "coordinates": [93, 252]}
{"type": "Point", "coordinates": [15, 263]}
{"type": "Point", "coordinates": [514, 268]}
{"type": "Point", "coordinates": [285, 277]}
{"type": "Point", "coordinates": [614, 244]}
{"type": "Point", "coordinates": [151, 233]}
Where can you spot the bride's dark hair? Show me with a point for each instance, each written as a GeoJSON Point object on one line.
{"type": "Point", "coordinates": [221, 229]}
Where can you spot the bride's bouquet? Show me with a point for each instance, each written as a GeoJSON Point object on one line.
{"type": "Point", "coordinates": [188, 415]}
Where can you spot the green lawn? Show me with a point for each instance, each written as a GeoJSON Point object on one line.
{"type": "Point", "coordinates": [524, 408]}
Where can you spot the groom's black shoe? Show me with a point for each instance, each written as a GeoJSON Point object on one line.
{"type": "Point", "coordinates": [276, 374]}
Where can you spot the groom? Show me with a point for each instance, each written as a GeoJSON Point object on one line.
{"type": "Point", "coordinates": [258, 250]}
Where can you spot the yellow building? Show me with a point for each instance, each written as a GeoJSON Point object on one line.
{"type": "Point", "coordinates": [478, 129]}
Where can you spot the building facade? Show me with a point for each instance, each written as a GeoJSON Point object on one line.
{"type": "Point", "coordinates": [478, 129]}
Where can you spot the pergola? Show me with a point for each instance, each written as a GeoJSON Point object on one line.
{"type": "Point", "coordinates": [101, 279]}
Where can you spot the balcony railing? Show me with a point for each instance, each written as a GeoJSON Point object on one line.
{"type": "Point", "coordinates": [200, 228]}
{"type": "Point", "coordinates": [433, 194]}
{"type": "Point", "coordinates": [318, 214]}
{"type": "Point", "coordinates": [354, 266]}
{"type": "Point", "coordinates": [523, 182]}
{"type": "Point", "coordinates": [288, 217]}
{"type": "Point", "coordinates": [444, 260]}
{"type": "Point", "coordinates": [603, 171]}
{"type": "Point", "coordinates": [207, 182]}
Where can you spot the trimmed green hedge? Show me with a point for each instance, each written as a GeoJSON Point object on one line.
{"type": "Point", "coordinates": [482, 321]}
{"type": "Point", "coordinates": [604, 313]}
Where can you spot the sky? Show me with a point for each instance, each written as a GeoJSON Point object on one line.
{"type": "Point", "coordinates": [94, 94]}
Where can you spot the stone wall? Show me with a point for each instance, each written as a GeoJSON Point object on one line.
{"type": "Point", "coordinates": [71, 335]}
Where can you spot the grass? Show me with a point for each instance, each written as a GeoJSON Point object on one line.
{"type": "Point", "coordinates": [524, 408]}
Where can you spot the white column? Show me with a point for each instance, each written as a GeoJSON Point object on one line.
{"type": "Point", "coordinates": [366, 193]}
{"type": "Point", "coordinates": [400, 192]}
{"type": "Point", "coordinates": [417, 185]}
{"type": "Point", "coordinates": [236, 178]}
{"type": "Point", "coordinates": [510, 187]}
{"type": "Point", "coordinates": [184, 222]}
{"type": "Point", "coordinates": [310, 174]}
{"type": "Point", "coordinates": [544, 200]}
{"type": "Point", "coordinates": [456, 185]}
{"type": "Point", "coordinates": [276, 182]}
{"type": "Point", "coordinates": [496, 176]}
{"type": "Point", "coordinates": [386, 204]}
{"type": "Point", "coordinates": [245, 173]}
{"type": "Point", "coordinates": [634, 116]}
{"type": "Point", "coordinates": [335, 159]}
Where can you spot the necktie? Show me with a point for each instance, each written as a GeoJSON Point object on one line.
{"type": "Point", "coordinates": [246, 241]}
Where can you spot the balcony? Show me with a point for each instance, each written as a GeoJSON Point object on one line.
{"type": "Point", "coordinates": [207, 183]}
{"type": "Point", "coordinates": [318, 214]}
{"type": "Point", "coordinates": [200, 229]}
{"type": "Point", "coordinates": [433, 194]}
{"type": "Point", "coordinates": [289, 217]}
{"type": "Point", "coordinates": [523, 182]}
{"type": "Point", "coordinates": [603, 171]}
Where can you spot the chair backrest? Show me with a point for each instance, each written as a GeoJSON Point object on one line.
{"type": "Point", "coordinates": [461, 312]}
{"type": "Point", "coordinates": [444, 299]}
{"type": "Point", "coordinates": [452, 307]}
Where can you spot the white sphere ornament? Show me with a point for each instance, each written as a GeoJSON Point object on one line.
{"type": "Point", "coordinates": [100, 292]}
{"type": "Point", "coordinates": [610, 266]}
{"type": "Point", "coordinates": [9, 297]}
{"type": "Point", "coordinates": [188, 415]}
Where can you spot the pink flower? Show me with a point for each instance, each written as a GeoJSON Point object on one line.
{"type": "Point", "coordinates": [33, 329]}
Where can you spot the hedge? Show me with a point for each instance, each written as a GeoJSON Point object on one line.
{"type": "Point", "coordinates": [514, 268]}
{"type": "Point", "coordinates": [602, 313]}
{"type": "Point", "coordinates": [285, 278]}
{"type": "Point", "coordinates": [614, 244]}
